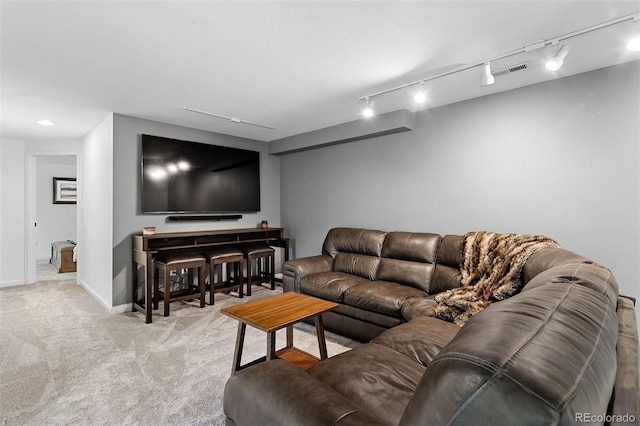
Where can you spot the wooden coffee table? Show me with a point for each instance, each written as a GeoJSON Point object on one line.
{"type": "Point", "coordinates": [274, 313]}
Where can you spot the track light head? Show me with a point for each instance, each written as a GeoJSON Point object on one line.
{"type": "Point", "coordinates": [368, 111]}
{"type": "Point", "coordinates": [487, 78]}
{"type": "Point", "coordinates": [555, 63]}
{"type": "Point", "coordinates": [420, 96]}
{"type": "Point", "coordinates": [634, 44]}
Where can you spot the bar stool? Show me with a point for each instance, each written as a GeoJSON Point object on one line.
{"type": "Point", "coordinates": [261, 260]}
{"type": "Point", "coordinates": [178, 262]}
{"type": "Point", "coordinates": [228, 258]}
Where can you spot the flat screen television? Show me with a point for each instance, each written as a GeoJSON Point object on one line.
{"type": "Point", "coordinates": [191, 177]}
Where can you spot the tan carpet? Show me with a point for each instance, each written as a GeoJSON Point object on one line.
{"type": "Point", "coordinates": [63, 360]}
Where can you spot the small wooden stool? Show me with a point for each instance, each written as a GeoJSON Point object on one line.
{"type": "Point", "coordinates": [178, 262]}
{"type": "Point", "coordinates": [233, 259]}
{"type": "Point", "coordinates": [261, 260]}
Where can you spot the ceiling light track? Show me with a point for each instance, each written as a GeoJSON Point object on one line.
{"type": "Point", "coordinates": [231, 119]}
{"type": "Point", "coordinates": [532, 46]}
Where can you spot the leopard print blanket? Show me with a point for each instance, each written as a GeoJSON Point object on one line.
{"type": "Point", "coordinates": [491, 267]}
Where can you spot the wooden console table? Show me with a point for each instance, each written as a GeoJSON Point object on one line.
{"type": "Point", "coordinates": [147, 247]}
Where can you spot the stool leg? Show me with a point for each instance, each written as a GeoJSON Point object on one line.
{"type": "Point", "coordinates": [167, 291]}
{"type": "Point", "coordinates": [156, 272]}
{"type": "Point", "coordinates": [249, 274]}
{"type": "Point", "coordinates": [212, 273]}
{"type": "Point", "coordinates": [239, 276]}
{"type": "Point", "coordinates": [202, 286]}
{"type": "Point", "coordinates": [272, 271]}
{"type": "Point", "coordinates": [190, 279]}
{"type": "Point", "coordinates": [226, 276]}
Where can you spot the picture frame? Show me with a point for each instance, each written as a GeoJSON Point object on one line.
{"type": "Point", "coordinates": [64, 190]}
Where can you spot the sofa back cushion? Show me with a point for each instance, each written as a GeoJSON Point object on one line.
{"type": "Point", "coordinates": [447, 271]}
{"type": "Point", "coordinates": [545, 259]}
{"type": "Point", "coordinates": [586, 273]}
{"type": "Point", "coordinates": [408, 258]}
{"type": "Point", "coordinates": [543, 356]}
{"type": "Point", "coordinates": [355, 251]}
{"type": "Point", "coordinates": [360, 265]}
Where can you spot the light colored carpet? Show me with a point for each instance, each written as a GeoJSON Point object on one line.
{"type": "Point", "coordinates": [47, 272]}
{"type": "Point", "coordinates": [63, 360]}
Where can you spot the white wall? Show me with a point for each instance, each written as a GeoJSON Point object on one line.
{"type": "Point", "coordinates": [559, 158]}
{"type": "Point", "coordinates": [127, 218]}
{"type": "Point", "coordinates": [56, 222]}
{"type": "Point", "coordinates": [95, 220]}
{"type": "Point", "coordinates": [12, 203]}
{"type": "Point", "coordinates": [13, 194]}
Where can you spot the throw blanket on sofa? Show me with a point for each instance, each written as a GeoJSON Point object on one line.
{"type": "Point", "coordinates": [491, 267]}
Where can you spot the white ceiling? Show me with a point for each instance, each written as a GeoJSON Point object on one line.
{"type": "Point", "coordinates": [297, 66]}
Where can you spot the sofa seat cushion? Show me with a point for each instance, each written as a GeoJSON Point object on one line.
{"type": "Point", "coordinates": [385, 297]}
{"type": "Point", "coordinates": [421, 339]}
{"type": "Point", "coordinates": [374, 377]}
{"type": "Point", "coordinates": [329, 285]}
{"type": "Point", "coordinates": [419, 307]}
{"type": "Point", "coordinates": [365, 315]}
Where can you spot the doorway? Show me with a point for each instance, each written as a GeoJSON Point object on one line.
{"type": "Point", "coordinates": [47, 219]}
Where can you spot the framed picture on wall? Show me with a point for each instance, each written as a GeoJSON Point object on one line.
{"type": "Point", "coordinates": [64, 190]}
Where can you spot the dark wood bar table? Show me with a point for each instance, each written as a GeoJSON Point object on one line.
{"type": "Point", "coordinates": [147, 247]}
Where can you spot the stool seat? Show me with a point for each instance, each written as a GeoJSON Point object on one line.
{"type": "Point", "coordinates": [231, 259]}
{"type": "Point", "coordinates": [178, 262]}
{"type": "Point", "coordinates": [174, 259]}
{"type": "Point", "coordinates": [255, 250]}
{"type": "Point", "coordinates": [260, 266]}
{"type": "Point", "coordinates": [223, 253]}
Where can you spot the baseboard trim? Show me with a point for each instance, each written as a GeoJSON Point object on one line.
{"type": "Point", "coordinates": [12, 283]}
{"type": "Point", "coordinates": [118, 309]}
{"type": "Point", "coordinates": [121, 309]}
{"type": "Point", "coordinates": [106, 306]}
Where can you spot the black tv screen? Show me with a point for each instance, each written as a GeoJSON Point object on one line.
{"type": "Point", "coordinates": [180, 176]}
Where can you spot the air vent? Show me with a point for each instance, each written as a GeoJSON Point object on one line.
{"type": "Point", "coordinates": [511, 69]}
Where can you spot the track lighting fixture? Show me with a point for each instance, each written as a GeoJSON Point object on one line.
{"type": "Point", "coordinates": [487, 78]}
{"type": "Point", "coordinates": [420, 97]}
{"type": "Point", "coordinates": [556, 62]}
{"type": "Point", "coordinates": [231, 119]}
{"type": "Point", "coordinates": [368, 111]}
{"type": "Point", "coordinates": [634, 43]}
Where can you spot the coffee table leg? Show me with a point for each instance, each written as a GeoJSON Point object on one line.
{"type": "Point", "coordinates": [289, 336]}
{"type": "Point", "coordinates": [237, 355]}
{"type": "Point", "coordinates": [321, 341]}
{"type": "Point", "coordinates": [271, 345]}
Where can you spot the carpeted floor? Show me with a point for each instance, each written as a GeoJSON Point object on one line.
{"type": "Point", "coordinates": [64, 360]}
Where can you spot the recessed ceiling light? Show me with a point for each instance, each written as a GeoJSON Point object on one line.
{"type": "Point", "coordinates": [45, 123]}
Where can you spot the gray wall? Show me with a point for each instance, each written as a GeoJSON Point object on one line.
{"type": "Point", "coordinates": [126, 191]}
{"type": "Point", "coordinates": [559, 158]}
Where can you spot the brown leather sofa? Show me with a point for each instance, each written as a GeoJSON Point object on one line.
{"type": "Point", "coordinates": [562, 351]}
{"type": "Point", "coordinates": [371, 274]}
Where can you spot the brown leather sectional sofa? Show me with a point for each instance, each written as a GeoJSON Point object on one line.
{"type": "Point", "coordinates": [562, 351]}
{"type": "Point", "coordinates": [371, 274]}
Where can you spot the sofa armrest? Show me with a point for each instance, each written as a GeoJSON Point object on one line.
{"type": "Point", "coordinates": [294, 270]}
{"type": "Point", "coordinates": [626, 394]}
{"type": "Point", "coordinates": [278, 393]}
